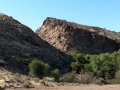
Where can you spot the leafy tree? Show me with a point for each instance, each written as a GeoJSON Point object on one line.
{"type": "Point", "coordinates": [103, 65]}
{"type": "Point", "coordinates": [81, 60]}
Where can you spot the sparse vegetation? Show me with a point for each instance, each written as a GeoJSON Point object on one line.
{"type": "Point", "coordinates": [38, 68]}
{"type": "Point", "coordinates": [84, 78]}
{"type": "Point", "coordinates": [69, 77]}
{"type": "Point", "coordinates": [26, 84]}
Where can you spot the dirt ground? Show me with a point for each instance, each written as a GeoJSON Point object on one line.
{"type": "Point", "coordinates": [80, 87]}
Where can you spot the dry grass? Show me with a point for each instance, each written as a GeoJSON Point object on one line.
{"type": "Point", "coordinates": [69, 77]}
{"type": "Point", "coordinates": [84, 78]}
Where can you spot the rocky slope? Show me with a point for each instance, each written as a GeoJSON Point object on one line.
{"type": "Point", "coordinates": [19, 45]}
{"type": "Point", "coordinates": [69, 36]}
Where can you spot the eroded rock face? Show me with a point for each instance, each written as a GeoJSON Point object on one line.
{"type": "Point", "coordinates": [69, 37]}
{"type": "Point", "coordinates": [19, 45]}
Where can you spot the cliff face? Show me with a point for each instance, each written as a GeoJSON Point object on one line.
{"type": "Point", "coordinates": [69, 37]}
{"type": "Point", "coordinates": [19, 45]}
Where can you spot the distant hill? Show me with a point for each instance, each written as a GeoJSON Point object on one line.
{"type": "Point", "coordinates": [19, 45]}
{"type": "Point", "coordinates": [69, 37]}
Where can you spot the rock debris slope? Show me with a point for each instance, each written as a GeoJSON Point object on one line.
{"type": "Point", "coordinates": [19, 45]}
{"type": "Point", "coordinates": [69, 37]}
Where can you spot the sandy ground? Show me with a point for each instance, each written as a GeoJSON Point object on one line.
{"type": "Point", "coordinates": [80, 87]}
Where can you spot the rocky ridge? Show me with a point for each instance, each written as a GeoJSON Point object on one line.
{"type": "Point", "coordinates": [69, 37]}
{"type": "Point", "coordinates": [19, 45]}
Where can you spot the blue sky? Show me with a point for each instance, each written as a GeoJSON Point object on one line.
{"type": "Point", "coordinates": [101, 13]}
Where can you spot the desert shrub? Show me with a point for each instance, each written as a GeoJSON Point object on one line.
{"type": "Point", "coordinates": [11, 79]}
{"type": "Point", "coordinates": [84, 78]}
{"type": "Point", "coordinates": [18, 78]}
{"type": "Point", "coordinates": [98, 81]}
{"type": "Point", "coordinates": [45, 83]}
{"type": "Point", "coordinates": [2, 63]}
{"type": "Point", "coordinates": [26, 84]}
{"type": "Point", "coordinates": [69, 77]}
{"type": "Point", "coordinates": [56, 74]}
{"type": "Point", "coordinates": [36, 79]}
{"type": "Point", "coordinates": [38, 68]}
{"type": "Point", "coordinates": [112, 81]}
{"type": "Point", "coordinates": [23, 78]}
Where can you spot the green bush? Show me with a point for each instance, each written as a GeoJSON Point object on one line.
{"type": "Point", "coordinates": [38, 68]}
{"type": "Point", "coordinates": [56, 74]}
{"type": "Point", "coordinates": [81, 60]}
{"type": "Point", "coordinates": [2, 63]}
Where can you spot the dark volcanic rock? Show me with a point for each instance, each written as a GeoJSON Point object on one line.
{"type": "Point", "coordinates": [19, 45]}
{"type": "Point", "coordinates": [68, 36]}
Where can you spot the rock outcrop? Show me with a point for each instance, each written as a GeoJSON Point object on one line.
{"type": "Point", "coordinates": [69, 37]}
{"type": "Point", "coordinates": [19, 45]}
